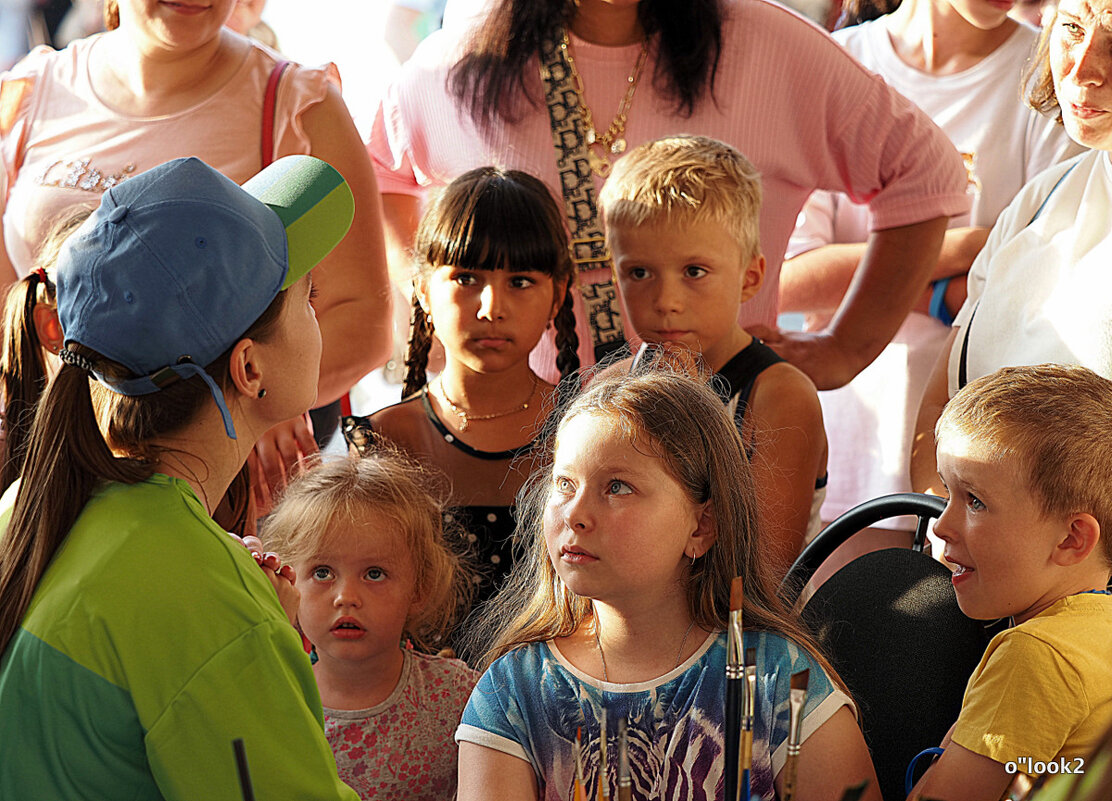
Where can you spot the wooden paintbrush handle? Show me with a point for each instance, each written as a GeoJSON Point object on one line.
{"type": "Point", "coordinates": [789, 772]}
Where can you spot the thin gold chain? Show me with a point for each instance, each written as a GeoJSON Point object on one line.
{"type": "Point", "coordinates": [602, 656]}
{"type": "Point", "coordinates": [611, 140]}
{"type": "Point", "coordinates": [466, 417]}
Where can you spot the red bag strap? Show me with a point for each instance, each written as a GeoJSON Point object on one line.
{"type": "Point", "coordinates": [269, 103]}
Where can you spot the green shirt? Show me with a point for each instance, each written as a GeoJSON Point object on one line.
{"type": "Point", "coordinates": [153, 641]}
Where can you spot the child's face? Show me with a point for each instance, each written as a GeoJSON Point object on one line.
{"type": "Point", "coordinates": [488, 319]}
{"type": "Point", "coordinates": [357, 592]}
{"type": "Point", "coordinates": [617, 523]}
{"type": "Point", "coordinates": [684, 283]}
{"type": "Point", "coordinates": [996, 535]}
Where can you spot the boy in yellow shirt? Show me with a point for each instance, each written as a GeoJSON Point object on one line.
{"type": "Point", "coordinates": [1026, 456]}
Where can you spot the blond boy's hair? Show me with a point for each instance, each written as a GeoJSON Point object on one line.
{"type": "Point", "coordinates": [1054, 422]}
{"type": "Point", "coordinates": [686, 179]}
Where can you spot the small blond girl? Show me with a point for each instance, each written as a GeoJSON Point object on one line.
{"type": "Point", "coordinates": [374, 569]}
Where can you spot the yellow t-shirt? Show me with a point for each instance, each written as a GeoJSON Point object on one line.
{"type": "Point", "coordinates": [1043, 689]}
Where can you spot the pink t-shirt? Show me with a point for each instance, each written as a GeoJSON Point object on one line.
{"type": "Point", "coordinates": [786, 96]}
{"type": "Point", "coordinates": [403, 748]}
{"type": "Point", "coordinates": [61, 146]}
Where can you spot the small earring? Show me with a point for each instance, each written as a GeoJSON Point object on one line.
{"type": "Point", "coordinates": [262, 393]}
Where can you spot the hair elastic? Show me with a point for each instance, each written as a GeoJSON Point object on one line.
{"type": "Point", "coordinates": [76, 359]}
{"type": "Point", "coordinates": [41, 273]}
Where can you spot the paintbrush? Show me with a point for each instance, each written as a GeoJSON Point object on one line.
{"type": "Point", "coordinates": [625, 783]}
{"type": "Point", "coordinates": [241, 767]}
{"type": "Point", "coordinates": [577, 793]}
{"type": "Point", "coordinates": [603, 778]}
{"type": "Point", "coordinates": [748, 709]}
{"type": "Point", "coordinates": [735, 687]}
{"type": "Point", "coordinates": [796, 701]}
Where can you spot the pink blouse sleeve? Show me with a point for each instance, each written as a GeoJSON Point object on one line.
{"type": "Point", "coordinates": [301, 89]}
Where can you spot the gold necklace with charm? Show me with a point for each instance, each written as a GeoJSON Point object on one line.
{"type": "Point", "coordinates": [466, 418]}
{"type": "Point", "coordinates": [611, 140]}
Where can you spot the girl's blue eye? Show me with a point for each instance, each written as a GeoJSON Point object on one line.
{"type": "Point", "coordinates": [322, 573]}
{"type": "Point", "coordinates": [975, 503]}
{"type": "Point", "coordinates": [563, 484]}
{"type": "Point", "coordinates": [375, 574]}
{"type": "Point", "coordinates": [616, 487]}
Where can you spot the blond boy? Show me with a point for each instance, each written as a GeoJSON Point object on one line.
{"type": "Point", "coordinates": [682, 221]}
{"type": "Point", "coordinates": [1026, 456]}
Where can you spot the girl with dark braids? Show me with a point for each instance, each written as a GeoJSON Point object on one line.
{"type": "Point", "coordinates": [493, 272]}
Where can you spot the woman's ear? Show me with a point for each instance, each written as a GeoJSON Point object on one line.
{"type": "Point", "coordinates": [705, 533]}
{"type": "Point", "coordinates": [47, 328]}
{"type": "Point", "coordinates": [245, 368]}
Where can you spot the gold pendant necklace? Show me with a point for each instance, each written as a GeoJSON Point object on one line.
{"type": "Point", "coordinates": [466, 417]}
{"type": "Point", "coordinates": [612, 140]}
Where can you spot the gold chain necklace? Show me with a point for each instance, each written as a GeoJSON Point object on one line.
{"type": "Point", "coordinates": [466, 418]}
{"type": "Point", "coordinates": [611, 140]}
{"type": "Point", "coordinates": [602, 656]}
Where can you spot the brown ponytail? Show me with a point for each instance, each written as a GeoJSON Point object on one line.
{"type": "Point", "coordinates": [23, 373]}
{"type": "Point", "coordinates": [67, 457]}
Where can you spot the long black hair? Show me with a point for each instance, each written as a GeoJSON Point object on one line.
{"type": "Point", "coordinates": [497, 70]}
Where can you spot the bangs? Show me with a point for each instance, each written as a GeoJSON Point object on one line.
{"type": "Point", "coordinates": [490, 219]}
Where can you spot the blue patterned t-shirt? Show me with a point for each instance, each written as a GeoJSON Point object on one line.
{"type": "Point", "coordinates": [530, 703]}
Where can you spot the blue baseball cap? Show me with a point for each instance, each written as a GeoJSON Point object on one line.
{"type": "Point", "coordinates": [179, 261]}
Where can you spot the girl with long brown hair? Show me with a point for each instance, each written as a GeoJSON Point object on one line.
{"type": "Point", "coordinates": [635, 530]}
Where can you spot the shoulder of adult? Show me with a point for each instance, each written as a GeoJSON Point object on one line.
{"type": "Point", "coordinates": [1051, 181]}
{"type": "Point", "coordinates": [853, 37]}
{"type": "Point", "coordinates": [768, 21]}
{"type": "Point", "coordinates": [18, 83]}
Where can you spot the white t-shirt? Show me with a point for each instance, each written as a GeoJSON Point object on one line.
{"type": "Point", "coordinates": [870, 422]}
{"type": "Point", "coordinates": [1042, 290]}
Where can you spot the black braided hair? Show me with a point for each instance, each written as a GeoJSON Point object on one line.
{"type": "Point", "coordinates": [417, 353]}
{"type": "Point", "coordinates": [567, 340]}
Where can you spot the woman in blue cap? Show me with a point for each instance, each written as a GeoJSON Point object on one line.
{"type": "Point", "coordinates": [138, 639]}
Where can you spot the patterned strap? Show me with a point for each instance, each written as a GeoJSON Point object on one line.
{"type": "Point", "coordinates": [269, 103]}
{"type": "Point", "coordinates": [588, 246]}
